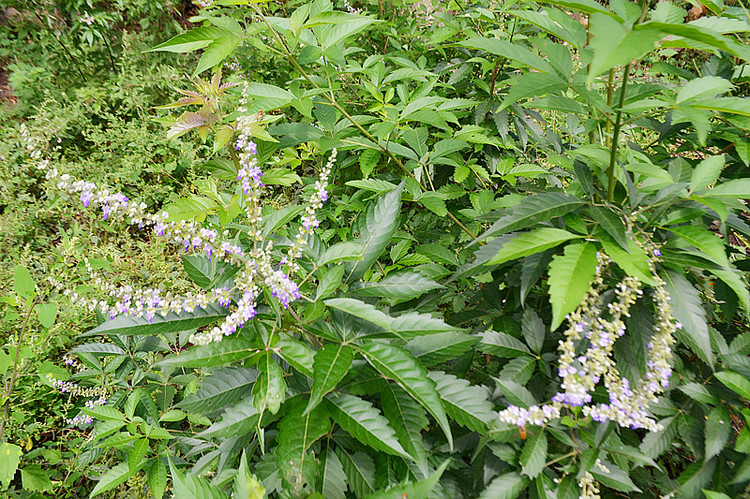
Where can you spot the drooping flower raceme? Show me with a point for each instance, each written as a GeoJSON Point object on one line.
{"type": "Point", "coordinates": [581, 373]}
{"type": "Point", "coordinates": [256, 264]}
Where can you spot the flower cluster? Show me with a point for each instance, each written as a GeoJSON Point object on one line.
{"type": "Point", "coordinates": [97, 394]}
{"type": "Point", "coordinates": [87, 18]}
{"type": "Point", "coordinates": [597, 331]}
{"type": "Point", "coordinates": [256, 264]}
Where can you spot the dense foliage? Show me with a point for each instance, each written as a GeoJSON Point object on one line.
{"type": "Point", "coordinates": [376, 250]}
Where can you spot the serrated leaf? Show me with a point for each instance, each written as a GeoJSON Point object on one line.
{"type": "Point", "coordinates": [718, 428]}
{"type": "Point", "coordinates": [695, 477]}
{"type": "Point", "coordinates": [157, 479]}
{"type": "Point", "coordinates": [193, 486]}
{"type": "Point", "coordinates": [333, 481]}
{"type": "Point", "coordinates": [377, 226]}
{"type": "Point", "coordinates": [118, 474]}
{"type": "Point", "coordinates": [241, 418]}
{"type": "Point", "coordinates": [171, 323]}
{"type": "Point", "coordinates": [400, 286]}
{"type": "Point", "coordinates": [218, 50]}
{"type": "Point", "coordinates": [360, 471]}
{"type": "Point", "coordinates": [534, 455]}
{"type": "Point", "coordinates": [614, 477]}
{"type": "Point", "coordinates": [519, 369]}
{"type": "Point", "coordinates": [368, 160]}
{"type": "Point", "coordinates": [611, 223]}
{"type": "Point", "coordinates": [513, 51]}
{"type": "Point", "coordinates": [634, 261]}
{"type": "Point", "coordinates": [267, 97]}
{"type": "Point", "coordinates": [533, 330]}
{"type": "Point", "coordinates": [298, 431]}
{"type": "Point", "coordinates": [506, 486]}
{"type": "Point", "coordinates": [206, 273]}
{"type": "Point", "coordinates": [570, 276]}
{"type": "Point", "coordinates": [99, 349]}
{"type": "Point", "coordinates": [408, 419]}
{"type": "Point", "coordinates": [736, 382]}
{"type": "Point", "coordinates": [245, 484]}
{"type": "Point", "coordinates": [734, 189]}
{"type": "Point", "coordinates": [348, 251]}
{"type": "Point", "coordinates": [422, 488]}
{"type": "Point", "coordinates": [688, 309]}
{"type": "Point", "coordinates": [329, 282]}
{"type": "Point", "coordinates": [528, 243]}
{"type": "Point", "coordinates": [362, 310]}
{"type": "Point", "coordinates": [140, 447]}
{"type": "Point", "coordinates": [534, 210]}
{"type": "Point", "coordinates": [515, 393]}
{"type": "Point", "coordinates": [192, 40]}
{"type": "Point", "coordinates": [398, 364]}
{"type": "Point", "coordinates": [331, 364]}
{"type": "Point", "coordinates": [297, 354]}
{"type": "Point", "coordinates": [365, 423]}
{"type": "Point", "coordinates": [228, 350]}
{"type": "Point", "coordinates": [502, 345]}
{"type": "Point", "coordinates": [466, 404]}
{"type": "Point", "coordinates": [222, 388]}
{"type": "Point", "coordinates": [705, 240]}
{"type": "Point", "coordinates": [416, 324]}
{"type": "Point", "coordinates": [433, 349]}
{"type": "Point", "coordinates": [269, 389]}
{"type": "Point", "coordinates": [699, 393]}
{"type": "Point", "coordinates": [707, 171]}
{"type": "Point", "coordinates": [655, 443]}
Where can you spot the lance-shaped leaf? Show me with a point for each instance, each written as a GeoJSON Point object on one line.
{"type": "Point", "coordinates": [688, 309]}
{"type": "Point", "coordinates": [333, 478]}
{"type": "Point", "coordinates": [365, 423]}
{"type": "Point", "coordinates": [223, 387]}
{"type": "Point", "coordinates": [118, 474]}
{"type": "Point", "coordinates": [415, 324]}
{"type": "Point", "coordinates": [707, 171]}
{"type": "Point", "coordinates": [528, 243]}
{"type": "Point", "coordinates": [331, 364]}
{"type": "Point", "coordinates": [398, 364]}
{"type": "Point", "coordinates": [634, 261]}
{"type": "Point", "coordinates": [704, 240]}
{"type": "Point", "coordinates": [516, 394]}
{"type": "Point", "coordinates": [611, 223]}
{"type": "Point", "coordinates": [360, 471]}
{"type": "Point", "coordinates": [376, 228]}
{"type": "Point", "coordinates": [613, 477]}
{"type": "Point", "coordinates": [718, 428]}
{"type": "Point", "coordinates": [570, 276]}
{"type": "Point", "coordinates": [513, 51]}
{"type": "Point", "coordinates": [269, 389]}
{"type": "Point", "coordinates": [422, 488]}
{"type": "Point", "coordinates": [171, 323]}
{"type": "Point", "coordinates": [502, 345]}
{"type": "Point", "coordinates": [297, 354]}
{"type": "Point", "coordinates": [736, 382]}
{"type": "Point", "coordinates": [408, 419]}
{"type": "Point", "coordinates": [440, 347]}
{"type": "Point", "coordinates": [193, 486]}
{"type": "Point", "coordinates": [362, 310]}
{"type": "Point", "coordinates": [534, 455]}
{"type": "Point", "coordinates": [297, 432]}
{"type": "Point", "coordinates": [400, 286]}
{"type": "Point", "coordinates": [533, 210]}
{"type": "Point", "coordinates": [506, 486]}
{"type": "Point", "coordinates": [239, 419]}
{"type": "Point", "coordinates": [228, 350]}
{"type": "Point", "coordinates": [192, 40]}
{"type": "Point", "coordinates": [734, 189]}
{"type": "Point", "coordinates": [466, 404]}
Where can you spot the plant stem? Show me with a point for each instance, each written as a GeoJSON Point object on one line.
{"type": "Point", "coordinates": [14, 375]}
{"type": "Point", "coordinates": [616, 135]}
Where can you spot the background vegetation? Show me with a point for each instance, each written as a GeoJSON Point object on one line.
{"type": "Point", "coordinates": [503, 169]}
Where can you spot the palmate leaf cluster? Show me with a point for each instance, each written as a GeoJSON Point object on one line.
{"type": "Point", "coordinates": [486, 155]}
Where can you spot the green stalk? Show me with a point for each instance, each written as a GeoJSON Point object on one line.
{"type": "Point", "coordinates": [616, 135]}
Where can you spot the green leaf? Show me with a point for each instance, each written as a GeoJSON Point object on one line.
{"type": "Point", "coordinates": [400, 286]}
{"type": "Point", "coordinates": [408, 419]}
{"type": "Point", "coordinates": [279, 218]}
{"type": "Point", "coordinates": [718, 428]}
{"type": "Point", "coordinates": [331, 364]}
{"type": "Point", "coordinates": [415, 324]}
{"type": "Point", "coordinates": [362, 310]}
{"type": "Point", "coordinates": [246, 486]}
{"type": "Point", "coordinates": [220, 389]}
{"type": "Point", "coordinates": [333, 481]}
{"type": "Point", "coordinates": [515, 393]}
{"type": "Point", "coordinates": [655, 443]}
{"type": "Point", "coordinates": [333, 27]}
{"type": "Point", "coordinates": [376, 228]}
{"type": "Point", "coordinates": [269, 389]}
{"type": "Point", "coordinates": [368, 160]}
{"type": "Point", "coordinates": [230, 349]}
{"type": "Point", "coordinates": [172, 415]}
{"type": "Point", "coordinates": [297, 354]}
{"type": "Point", "coordinates": [688, 309]}
{"type": "Point", "coordinates": [519, 369]}
{"type": "Point", "coordinates": [171, 323]}
{"type": "Point", "coordinates": [330, 282]}
{"type": "Point", "coordinates": [699, 393]}
{"type": "Point", "coordinates": [705, 240]}
{"type": "Point", "coordinates": [398, 364]}
{"type": "Point", "coordinates": [736, 382]}
{"type": "Point", "coordinates": [466, 404]}
{"type": "Point", "coordinates": [35, 479]}
{"type": "Point", "coordinates": [433, 349]}
{"type": "Point", "coordinates": [528, 243]}
{"type": "Point", "coordinates": [423, 488]}
{"type": "Point", "coordinates": [192, 40]}
{"type": "Point", "coordinates": [208, 274]}
{"type": "Point", "coordinates": [734, 189]}
{"type": "Point", "coordinates": [23, 283]}
{"type": "Point", "coordinates": [267, 97]}
{"type": "Point", "coordinates": [239, 419]}
{"type": "Point", "coordinates": [506, 486]}
{"type": "Point", "coordinates": [360, 471]}
{"type": "Point", "coordinates": [611, 223]}
{"type": "Point", "coordinates": [193, 486]}
{"type": "Point", "coordinates": [118, 474]}
{"type": "Point", "coordinates": [614, 477]}
{"type": "Point", "coordinates": [342, 252]}
{"type": "Point", "coordinates": [533, 329]}
{"type": "Point", "coordinates": [502, 345]}
{"type": "Point", "coordinates": [365, 423]}
{"type": "Point", "coordinates": [140, 447]}
{"type": "Point", "coordinates": [707, 172]}
{"type": "Point", "coordinates": [570, 276]}
{"type": "Point", "coordinates": [695, 477]}
{"type": "Point", "coordinates": [533, 85]}
{"type": "Point", "coordinates": [534, 455]}
{"type": "Point", "coordinates": [219, 49]}
{"type": "Point", "coordinates": [634, 261]}
{"type": "Point", "coordinates": [533, 210]}
{"type": "Point", "coordinates": [298, 431]}
{"type": "Point", "coordinates": [556, 22]}
{"type": "Point", "coordinates": [513, 51]}
{"type": "Point", "coordinates": [46, 313]}
{"type": "Point", "coordinates": [11, 456]}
